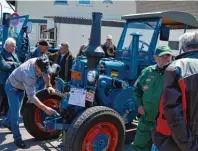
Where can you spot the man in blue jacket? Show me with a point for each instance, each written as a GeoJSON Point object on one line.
{"type": "Point", "coordinates": [8, 62]}
{"type": "Point", "coordinates": [41, 49]}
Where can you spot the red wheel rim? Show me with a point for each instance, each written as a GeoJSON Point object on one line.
{"type": "Point", "coordinates": [102, 128]}
{"type": "Point", "coordinates": [39, 121]}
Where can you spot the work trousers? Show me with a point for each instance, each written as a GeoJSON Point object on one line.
{"type": "Point", "coordinates": [15, 100]}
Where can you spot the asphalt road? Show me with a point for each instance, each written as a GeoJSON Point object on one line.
{"type": "Point", "coordinates": [6, 142]}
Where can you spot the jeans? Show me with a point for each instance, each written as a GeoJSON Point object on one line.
{"type": "Point", "coordinates": [15, 100]}
{"type": "Point", "coordinates": [3, 100]}
{"type": "Point", "coordinates": [154, 148]}
{"type": "Point", "coordinates": [1, 103]}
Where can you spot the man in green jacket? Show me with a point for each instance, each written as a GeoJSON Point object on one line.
{"type": "Point", "coordinates": [147, 93]}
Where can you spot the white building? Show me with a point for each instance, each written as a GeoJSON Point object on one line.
{"type": "Point", "coordinates": [70, 20]}
{"type": "Point", "coordinates": [5, 7]}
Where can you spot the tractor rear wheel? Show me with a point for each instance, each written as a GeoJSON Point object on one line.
{"type": "Point", "coordinates": [97, 128]}
{"type": "Point", "coordinates": [33, 117]}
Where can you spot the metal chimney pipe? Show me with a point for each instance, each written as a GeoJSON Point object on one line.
{"type": "Point", "coordinates": [94, 52]}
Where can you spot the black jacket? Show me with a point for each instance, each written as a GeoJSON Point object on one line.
{"type": "Point", "coordinates": [5, 67]}
{"type": "Point", "coordinates": [66, 65]}
{"type": "Point", "coordinates": [105, 47]}
{"type": "Point", "coordinates": [184, 136]}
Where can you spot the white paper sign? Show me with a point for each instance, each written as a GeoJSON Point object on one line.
{"type": "Point", "coordinates": [77, 97]}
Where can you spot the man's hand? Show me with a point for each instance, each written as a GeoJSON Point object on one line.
{"type": "Point", "coordinates": [51, 90]}
{"type": "Point", "coordinates": [49, 110]}
{"type": "Point", "coordinates": [141, 110]}
{"type": "Point", "coordinates": [10, 62]}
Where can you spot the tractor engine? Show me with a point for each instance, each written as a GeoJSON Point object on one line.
{"type": "Point", "coordinates": [107, 81]}
{"type": "Point", "coordinates": [84, 73]}
{"type": "Point", "coordinates": [116, 79]}
{"type": "Point", "coordinates": [114, 90]}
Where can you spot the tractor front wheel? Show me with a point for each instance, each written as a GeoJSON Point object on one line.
{"type": "Point", "coordinates": [97, 128]}
{"type": "Point", "coordinates": [33, 117]}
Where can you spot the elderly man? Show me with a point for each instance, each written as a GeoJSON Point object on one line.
{"type": "Point", "coordinates": [8, 62]}
{"type": "Point", "coordinates": [176, 128]}
{"type": "Point", "coordinates": [63, 58]}
{"type": "Point", "coordinates": [109, 45]}
{"type": "Point", "coordinates": [21, 80]}
{"type": "Point", "coordinates": [147, 93]}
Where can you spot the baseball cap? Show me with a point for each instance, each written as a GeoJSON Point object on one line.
{"type": "Point", "coordinates": [163, 50]}
{"type": "Point", "coordinates": [109, 37]}
{"type": "Point", "coordinates": [44, 64]}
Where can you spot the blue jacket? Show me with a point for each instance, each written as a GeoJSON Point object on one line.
{"type": "Point", "coordinates": [5, 68]}
{"type": "Point", "coordinates": [34, 54]}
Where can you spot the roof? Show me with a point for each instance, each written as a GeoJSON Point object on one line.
{"type": "Point", "coordinates": [168, 17]}
{"type": "Point", "coordinates": [85, 21]}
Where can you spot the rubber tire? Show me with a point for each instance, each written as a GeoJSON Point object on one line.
{"type": "Point", "coordinates": [28, 118]}
{"type": "Point", "coordinates": [90, 117]}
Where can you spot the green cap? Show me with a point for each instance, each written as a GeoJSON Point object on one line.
{"type": "Point", "coordinates": [163, 50]}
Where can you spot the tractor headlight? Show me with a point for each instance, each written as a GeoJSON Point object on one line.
{"type": "Point", "coordinates": [91, 76]}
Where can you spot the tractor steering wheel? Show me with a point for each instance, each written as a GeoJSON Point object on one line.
{"type": "Point", "coordinates": [143, 44]}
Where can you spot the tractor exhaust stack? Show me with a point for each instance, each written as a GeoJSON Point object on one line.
{"type": "Point", "coordinates": [94, 52]}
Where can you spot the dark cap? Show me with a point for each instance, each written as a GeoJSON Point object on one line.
{"type": "Point", "coordinates": [43, 43]}
{"type": "Point", "coordinates": [44, 64]}
{"type": "Point", "coordinates": [163, 50]}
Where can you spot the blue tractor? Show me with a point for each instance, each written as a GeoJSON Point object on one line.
{"type": "Point", "coordinates": [17, 27]}
{"type": "Point", "coordinates": [96, 108]}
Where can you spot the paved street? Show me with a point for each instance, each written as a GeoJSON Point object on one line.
{"type": "Point", "coordinates": [6, 142]}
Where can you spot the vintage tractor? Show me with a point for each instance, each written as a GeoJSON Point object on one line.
{"type": "Point", "coordinates": [17, 27]}
{"type": "Point", "coordinates": [96, 106]}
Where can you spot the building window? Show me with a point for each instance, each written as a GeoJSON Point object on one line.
{"type": "Point", "coordinates": [43, 35]}
{"type": "Point", "coordinates": [84, 2]}
{"type": "Point", "coordinates": [108, 1]}
{"type": "Point", "coordinates": [60, 2]}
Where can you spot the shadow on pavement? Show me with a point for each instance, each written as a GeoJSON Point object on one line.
{"type": "Point", "coordinates": [29, 146]}
{"type": "Point", "coordinates": [3, 136]}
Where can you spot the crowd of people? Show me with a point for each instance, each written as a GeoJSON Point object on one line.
{"type": "Point", "coordinates": [165, 93]}
{"type": "Point", "coordinates": [18, 79]}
